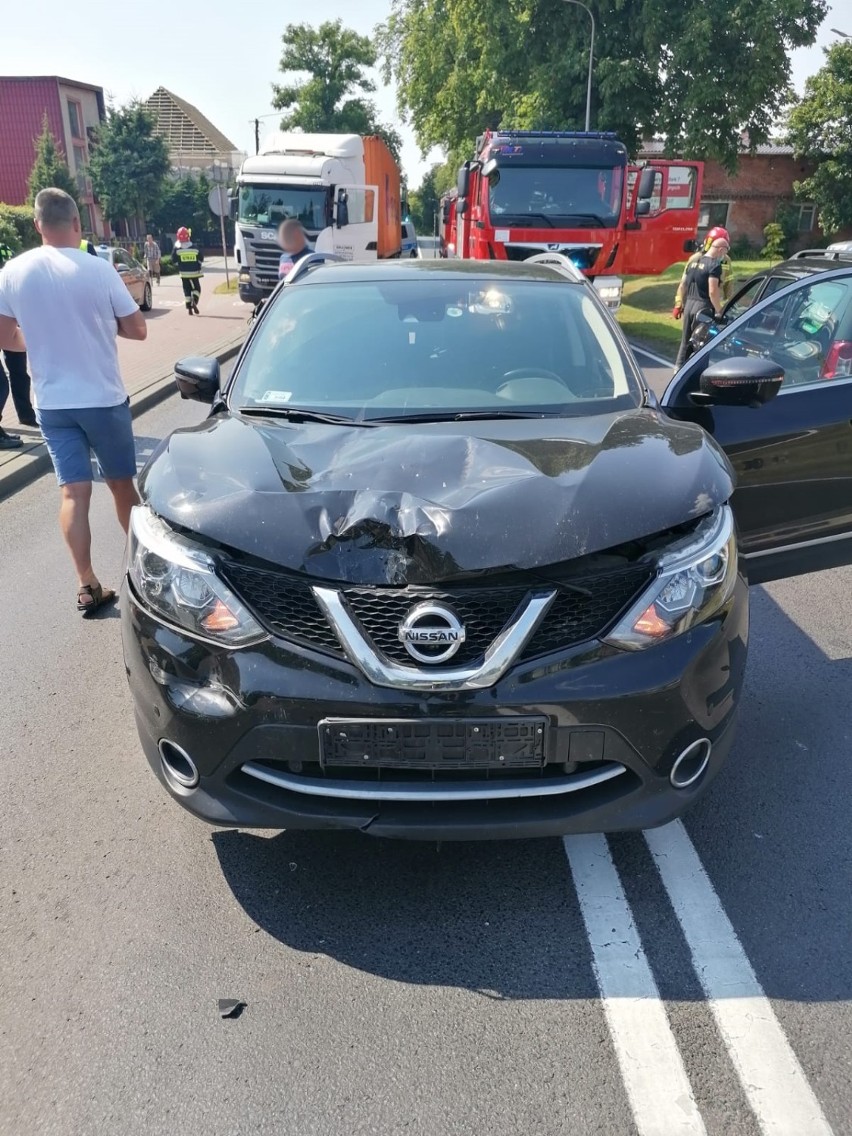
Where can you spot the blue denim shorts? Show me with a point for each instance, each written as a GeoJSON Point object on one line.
{"type": "Point", "coordinates": [72, 436]}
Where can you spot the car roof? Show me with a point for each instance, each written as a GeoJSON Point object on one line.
{"type": "Point", "coordinates": [815, 260]}
{"type": "Point", "coordinates": [349, 271]}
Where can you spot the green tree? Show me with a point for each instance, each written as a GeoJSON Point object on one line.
{"type": "Point", "coordinates": [698, 75]}
{"type": "Point", "coordinates": [820, 128]}
{"type": "Point", "coordinates": [185, 201]}
{"type": "Point", "coordinates": [50, 168]}
{"type": "Point", "coordinates": [423, 202]}
{"type": "Point", "coordinates": [129, 164]}
{"type": "Point", "coordinates": [333, 99]}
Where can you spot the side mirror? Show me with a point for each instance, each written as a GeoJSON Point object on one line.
{"type": "Point", "coordinates": [690, 246]}
{"type": "Point", "coordinates": [742, 380]}
{"type": "Point", "coordinates": [647, 181]}
{"type": "Point", "coordinates": [461, 207]}
{"type": "Point", "coordinates": [643, 208]}
{"type": "Point", "coordinates": [463, 182]}
{"type": "Point", "coordinates": [342, 209]}
{"type": "Point", "coordinates": [198, 378]}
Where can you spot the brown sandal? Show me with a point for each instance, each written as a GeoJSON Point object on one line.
{"type": "Point", "coordinates": [100, 598]}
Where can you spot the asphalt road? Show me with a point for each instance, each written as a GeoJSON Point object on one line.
{"type": "Point", "coordinates": [694, 980]}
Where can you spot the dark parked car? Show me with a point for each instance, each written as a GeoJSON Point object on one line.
{"type": "Point", "coordinates": [809, 262]}
{"type": "Point", "coordinates": [438, 565]}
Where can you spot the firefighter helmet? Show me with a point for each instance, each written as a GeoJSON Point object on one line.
{"type": "Point", "coordinates": [182, 233]}
{"type": "Point", "coordinates": [719, 233]}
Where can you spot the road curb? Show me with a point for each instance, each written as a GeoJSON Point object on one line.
{"type": "Point", "coordinates": [35, 462]}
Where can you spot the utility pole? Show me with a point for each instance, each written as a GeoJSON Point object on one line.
{"type": "Point", "coordinates": [591, 62]}
{"type": "Point", "coordinates": [257, 122]}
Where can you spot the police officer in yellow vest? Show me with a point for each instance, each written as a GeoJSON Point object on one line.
{"type": "Point", "coordinates": [188, 259]}
{"type": "Point", "coordinates": [727, 282]}
{"type": "Point", "coordinates": [87, 246]}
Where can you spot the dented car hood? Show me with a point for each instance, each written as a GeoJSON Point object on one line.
{"type": "Point", "coordinates": [417, 504]}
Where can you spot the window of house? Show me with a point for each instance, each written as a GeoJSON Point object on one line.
{"type": "Point", "coordinates": [714, 213]}
{"type": "Point", "coordinates": [807, 217]}
{"type": "Point", "coordinates": [79, 158]}
{"type": "Point", "coordinates": [86, 219]}
{"type": "Point", "coordinates": [75, 114]}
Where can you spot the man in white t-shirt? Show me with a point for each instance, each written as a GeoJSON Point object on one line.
{"type": "Point", "coordinates": [65, 309]}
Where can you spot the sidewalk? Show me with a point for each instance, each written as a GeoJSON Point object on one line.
{"type": "Point", "coordinates": [147, 368]}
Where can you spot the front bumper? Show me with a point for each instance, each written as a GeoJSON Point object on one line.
{"type": "Point", "coordinates": [261, 708]}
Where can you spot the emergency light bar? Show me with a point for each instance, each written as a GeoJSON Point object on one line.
{"type": "Point", "coordinates": [601, 135]}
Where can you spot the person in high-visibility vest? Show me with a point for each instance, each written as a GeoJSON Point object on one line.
{"type": "Point", "coordinates": [87, 246]}
{"type": "Point", "coordinates": [703, 293]}
{"type": "Point", "coordinates": [727, 282]}
{"type": "Point", "coordinates": [188, 260]}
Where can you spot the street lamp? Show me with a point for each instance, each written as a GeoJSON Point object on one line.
{"type": "Point", "coordinates": [591, 61]}
{"type": "Point", "coordinates": [843, 35]}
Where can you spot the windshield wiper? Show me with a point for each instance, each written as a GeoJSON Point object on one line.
{"type": "Point", "coordinates": [298, 414]}
{"type": "Point", "coordinates": [526, 216]}
{"type": "Point", "coordinates": [463, 415]}
{"type": "Point", "coordinates": [577, 217]}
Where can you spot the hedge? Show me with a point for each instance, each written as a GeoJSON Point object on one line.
{"type": "Point", "coordinates": [17, 228]}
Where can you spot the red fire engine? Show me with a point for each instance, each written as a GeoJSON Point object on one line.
{"type": "Point", "coordinates": [530, 192]}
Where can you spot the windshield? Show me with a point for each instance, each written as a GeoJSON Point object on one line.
{"type": "Point", "coordinates": [377, 349]}
{"type": "Point", "coordinates": [272, 204]}
{"type": "Point", "coordinates": [590, 197]}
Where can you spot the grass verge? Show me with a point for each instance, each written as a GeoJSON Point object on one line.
{"type": "Point", "coordinates": [227, 289]}
{"type": "Point", "coordinates": [646, 309]}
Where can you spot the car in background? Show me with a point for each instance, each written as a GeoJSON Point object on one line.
{"type": "Point", "coordinates": [841, 246]}
{"type": "Point", "coordinates": [765, 283]}
{"type": "Point", "coordinates": [439, 565]}
{"type": "Point", "coordinates": [409, 240]}
{"type": "Point", "coordinates": [135, 275]}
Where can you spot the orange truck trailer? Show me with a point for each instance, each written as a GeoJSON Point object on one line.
{"type": "Point", "coordinates": [344, 188]}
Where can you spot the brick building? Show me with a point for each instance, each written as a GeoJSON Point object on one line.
{"type": "Point", "coordinates": [747, 201]}
{"type": "Point", "coordinates": [74, 110]}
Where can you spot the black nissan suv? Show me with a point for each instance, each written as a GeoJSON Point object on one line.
{"type": "Point", "coordinates": [438, 565]}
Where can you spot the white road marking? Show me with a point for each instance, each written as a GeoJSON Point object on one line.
{"type": "Point", "coordinates": [650, 355]}
{"type": "Point", "coordinates": [651, 1067]}
{"type": "Point", "coordinates": [772, 1079]}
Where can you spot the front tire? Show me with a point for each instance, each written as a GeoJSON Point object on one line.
{"type": "Point", "coordinates": [147, 299]}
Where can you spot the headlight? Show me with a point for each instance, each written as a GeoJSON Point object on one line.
{"type": "Point", "coordinates": [695, 579]}
{"type": "Point", "coordinates": [176, 579]}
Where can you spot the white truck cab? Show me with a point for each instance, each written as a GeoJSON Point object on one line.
{"type": "Point", "coordinates": [343, 188]}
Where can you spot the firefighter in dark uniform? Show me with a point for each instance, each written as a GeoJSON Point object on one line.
{"type": "Point", "coordinates": [703, 293]}
{"type": "Point", "coordinates": [727, 270]}
{"type": "Point", "coordinates": [188, 260]}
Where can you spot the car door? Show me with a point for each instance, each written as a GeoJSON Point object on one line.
{"type": "Point", "coordinates": [793, 455]}
{"type": "Point", "coordinates": [139, 275]}
{"type": "Point", "coordinates": [121, 261]}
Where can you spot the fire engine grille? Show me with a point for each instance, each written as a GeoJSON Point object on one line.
{"type": "Point", "coordinates": [585, 257]}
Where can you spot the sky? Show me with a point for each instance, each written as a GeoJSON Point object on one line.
{"type": "Point", "coordinates": [218, 57]}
